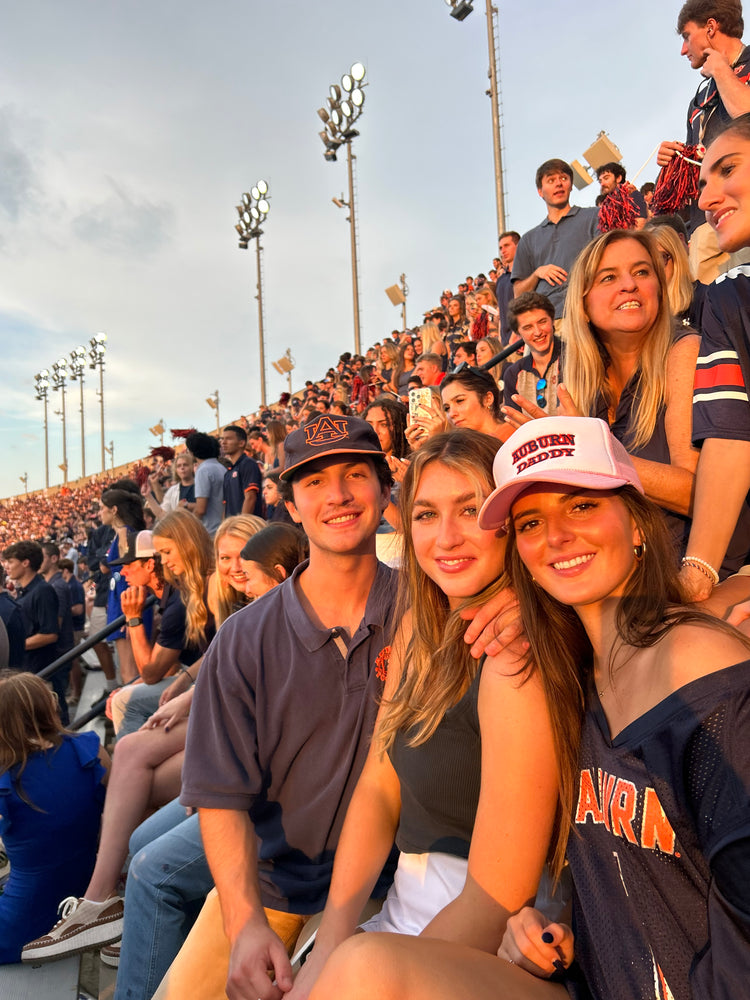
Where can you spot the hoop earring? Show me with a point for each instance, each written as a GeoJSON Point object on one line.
{"type": "Point", "coordinates": [639, 551]}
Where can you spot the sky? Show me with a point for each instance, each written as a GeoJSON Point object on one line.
{"type": "Point", "coordinates": [130, 128]}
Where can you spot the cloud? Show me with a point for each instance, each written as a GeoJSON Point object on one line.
{"type": "Point", "coordinates": [17, 179]}
{"type": "Point", "coordinates": [124, 224]}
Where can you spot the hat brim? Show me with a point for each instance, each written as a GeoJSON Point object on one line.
{"type": "Point", "coordinates": [285, 475]}
{"type": "Point", "coordinates": [496, 508]}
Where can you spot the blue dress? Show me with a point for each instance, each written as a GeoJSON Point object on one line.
{"type": "Point", "coordinates": [52, 844]}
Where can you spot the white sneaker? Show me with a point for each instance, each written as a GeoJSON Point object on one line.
{"type": "Point", "coordinates": [83, 925]}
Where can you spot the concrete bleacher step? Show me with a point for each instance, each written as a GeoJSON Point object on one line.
{"type": "Point", "coordinates": [51, 981]}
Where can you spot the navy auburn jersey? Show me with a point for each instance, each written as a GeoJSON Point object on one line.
{"type": "Point", "coordinates": [721, 407]}
{"type": "Point", "coordinates": [655, 808]}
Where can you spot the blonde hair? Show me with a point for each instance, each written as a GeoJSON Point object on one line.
{"type": "Point", "coordinates": [196, 554]}
{"type": "Point", "coordinates": [436, 666]}
{"type": "Point", "coordinates": [241, 526]}
{"type": "Point", "coordinates": [29, 721]}
{"type": "Point", "coordinates": [430, 334]}
{"type": "Point", "coordinates": [586, 359]}
{"type": "Point", "coordinates": [680, 286]}
{"type": "Point", "coordinates": [495, 346]}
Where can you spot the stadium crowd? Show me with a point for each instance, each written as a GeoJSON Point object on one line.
{"type": "Point", "coordinates": [450, 644]}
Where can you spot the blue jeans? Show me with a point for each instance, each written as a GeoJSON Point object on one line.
{"type": "Point", "coordinates": [168, 881]}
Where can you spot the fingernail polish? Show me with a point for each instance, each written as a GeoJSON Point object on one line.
{"type": "Point", "coordinates": [547, 937]}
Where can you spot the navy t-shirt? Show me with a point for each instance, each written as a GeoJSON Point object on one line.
{"type": "Point", "coordinates": [39, 605]}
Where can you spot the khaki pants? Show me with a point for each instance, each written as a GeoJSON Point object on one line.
{"type": "Point", "coordinates": [202, 966]}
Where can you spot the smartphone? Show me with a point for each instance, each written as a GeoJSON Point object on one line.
{"type": "Point", "coordinates": [419, 399]}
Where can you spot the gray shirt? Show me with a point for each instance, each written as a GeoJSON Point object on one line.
{"type": "Point", "coordinates": [209, 483]}
{"type": "Point", "coordinates": [280, 726]}
{"type": "Point", "coordinates": [555, 243]}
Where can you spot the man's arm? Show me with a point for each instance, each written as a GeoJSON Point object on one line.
{"type": "Point", "coordinates": [717, 505]}
{"type": "Point", "coordinates": [153, 661]}
{"type": "Point", "coordinates": [551, 273]}
{"type": "Point", "coordinates": [251, 498]}
{"type": "Point", "coordinates": [230, 844]}
{"type": "Point", "coordinates": [734, 92]}
{"type": "Point", "coordinates": [41, 639]}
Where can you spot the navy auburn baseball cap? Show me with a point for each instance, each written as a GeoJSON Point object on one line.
{"type": "Point", "coordinates": [328, 434]}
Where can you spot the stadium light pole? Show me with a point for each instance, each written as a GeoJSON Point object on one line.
{"type": "Point", "coordinates": [339, 119]}
{"type": "Point", "coordinates": [213, 402]}
{"type": "Point", "coordinates": [252, 211]}
{"type": "Point", "coordinates": [461, 9]}
{"type": "Point", "coordinates": [59, 378]}
{"type": "Point", "coordinates": [77, 368]}
{"type": "Point", "coordinates": [97, 349]}
{"type": "Point", "coordinates": [42, 393]}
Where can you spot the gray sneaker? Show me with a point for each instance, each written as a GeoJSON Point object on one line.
{"type": "Point", "coordinates": [84, 925]}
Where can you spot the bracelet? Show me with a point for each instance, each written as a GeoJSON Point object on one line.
{"type": "Point", "coordinates": [701, 565]}
{"type": "Point", "coordinates": [185, 670]}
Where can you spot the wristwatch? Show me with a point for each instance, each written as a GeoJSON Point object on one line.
{"type": "Point", "coordinates": [132, 622]}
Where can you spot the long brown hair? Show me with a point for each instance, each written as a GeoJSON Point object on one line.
{"type": "Point", "coordinates": [650, 607]}
{"type": "Point", "coordinates": [437, 667]}
{"type": "Point", "coordinates": [29, 721]}
{"type": "Point", "coordinates": [196, 553]}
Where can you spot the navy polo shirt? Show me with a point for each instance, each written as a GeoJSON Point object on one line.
{"type": "Point", "coordinates": [244, 475]}
{"type": "Point", "coordinates": [39, 606]}
{"type": "Point", "coordinates": [12, 618]}
{"type": "Point", "coordinates": [280, 727]}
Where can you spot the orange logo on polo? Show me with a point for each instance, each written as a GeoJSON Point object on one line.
{"type": "Point", "coordinates": [326, 430]}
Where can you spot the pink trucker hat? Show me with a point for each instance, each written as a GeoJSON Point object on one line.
{"type": "Point", "coordinates": [571, 451]}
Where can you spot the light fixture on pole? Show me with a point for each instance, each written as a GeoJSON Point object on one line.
{"type": "Point", "coordinates": [158, 430]}
{"type": "Point", "coordinates": [461, 9]}
{"type": "Point", "coordinates": [59, 378]}
{"type": "Point", "coordinates": [97, 347]}
{"type": "Point", "coordinates": [77, 368]}
{"type": "Point", "coordinates": [343, 110]}
{"type": "Point", "coordinates": [397, 294]}
{"type": "Point", "coordinates": [252, 212]}
{"type": "Point", "coordinates": [25, 480]}
{"type": "Point", "coordinates": [285, 366]}
{"type": "Point", "coordinates": [213, 402]}
{"type": "Point", "coordinates": [41, 387]}
{"type": "Point", "coordinates": [111, 452]}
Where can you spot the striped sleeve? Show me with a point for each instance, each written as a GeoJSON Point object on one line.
{"type": "Point", "coordinates": [721, 406]}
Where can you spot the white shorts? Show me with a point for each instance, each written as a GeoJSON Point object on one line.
{"type": "Point", "coordinates": [422, 886]}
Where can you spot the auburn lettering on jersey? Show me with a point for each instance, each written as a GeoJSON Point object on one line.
{"type": "Point", "coordinates": [636, 814]}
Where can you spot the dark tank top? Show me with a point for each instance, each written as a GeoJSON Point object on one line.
{"type": "Point", "coordinates": [440, 781]}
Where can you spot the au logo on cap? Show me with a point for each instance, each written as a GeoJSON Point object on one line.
{"type": "Point", "coordinates": [325, 430]}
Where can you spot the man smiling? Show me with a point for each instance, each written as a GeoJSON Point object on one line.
{"type": "Point", "coordinates": [536, 375]}
{"type": "Point", "coordinates": [283, 713]}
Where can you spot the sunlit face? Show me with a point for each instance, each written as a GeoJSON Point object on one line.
{"type": "Point", "coordinates": [257, 581]}
{"type": "Point", "coordinates": [483, 296]}
{"type": "Point", "coordinates": [624, 298]}
{"type": "Point", "coordinates": [418, 345]}
{"type": "Point", "coordinates": [471, 307]}
{"type": "Point", "coordinates": [507, 246]}
{"type": "Point", "coordinates": [607, 181]}
{"type": "Point", "coordinates": [555, 190]}
{"type": "Point", "coordinates": [15, 569]}
{"type": "Point", "coordinates": [695, 42]}
{"type": "Point", "coordinates": [725, 190]}
{"type": "Point", "coordinates": [231, 444]}
{"type": "Point", "coordinates": [449, 545]}
{"type": "Point", "coordinates": [184, 468]}
{"type": "Point", "coordinates": [377, 419]}
{"type": "Point", "coordinates": [228, 566]}
{"type": "Point", "coordinates": [409, 352]}
{"type": "Point", "coordinates": [454, 309]}
{"type": "Point", "coordinates": [576, 544]}
{"type": "Point", "coordinates": [138, 572]}
{"type": "Point", "coordinates": [466, 408]}
{"type": "Point", "coordinates": [484, 352]}
{"type": "Point", "coordinates": [339, 504]}
{"type": "Point", "coordinates": [170, 556]}
{"type": "Point", "coordinates": [462, 357]}
{"type": "Point", "coordinates": [384, 358]}
{"type": "Point", "coordinates": [271, 491]}
{"type": "Point", "coordinates": [536, 329]}
{"type": "Point", "coordinates": [106, 514]}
